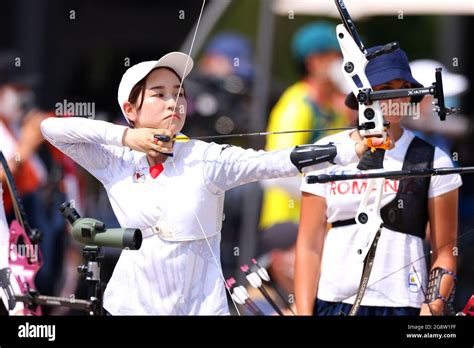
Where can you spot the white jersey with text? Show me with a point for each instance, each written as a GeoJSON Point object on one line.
{"type": "Point", "coordinates": [399, 266]}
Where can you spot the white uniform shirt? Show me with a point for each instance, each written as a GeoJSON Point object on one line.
{"type": "Point", "coordinates": [393, 282]}
{"type": "Point", "coordinates": [175, 271]}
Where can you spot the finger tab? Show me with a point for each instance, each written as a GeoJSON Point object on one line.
{"type": "Point", "coordinates": [162, 137]}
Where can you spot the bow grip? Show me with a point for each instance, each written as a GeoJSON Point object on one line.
{"type": "Point", "coordinates": [372, 159]}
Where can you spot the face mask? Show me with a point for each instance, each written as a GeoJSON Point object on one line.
{"type": "Point", "coordinates": [14, 104]}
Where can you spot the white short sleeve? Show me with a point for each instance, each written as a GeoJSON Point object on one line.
{"type": "Point", "coordinates": [315, 189]}
{"type": "Point", "coordinates": [443, 183]}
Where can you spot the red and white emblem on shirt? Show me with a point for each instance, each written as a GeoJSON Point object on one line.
{"type": "Point", "coordinates": [139, 176]}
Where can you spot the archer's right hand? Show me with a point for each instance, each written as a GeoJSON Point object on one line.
{"type": "Point", "coordinates": [143, 140]}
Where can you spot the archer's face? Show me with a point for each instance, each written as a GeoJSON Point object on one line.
{"type": "Point", "coordinates": [392, 108]}
{"type": "Point", "coordinates": [162, 106]}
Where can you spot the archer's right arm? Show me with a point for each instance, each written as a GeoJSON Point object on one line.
{"type": "Point", "coordinates": [99, 146]}
{"type": "Point", "coordinates": [95, 145]}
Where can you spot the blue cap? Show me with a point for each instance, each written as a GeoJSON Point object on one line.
{"type": "Point", "coordinates": [386, 68]}
{"type": "Point", "coordinates": [318, 37]}
{"type": "Point", "coordinates": [233, 46]}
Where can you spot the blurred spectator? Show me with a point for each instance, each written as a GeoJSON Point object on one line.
{"type": "Point", "coordinates": [21, 135]}
{"type": "Point", "coordinates": [228, 54]}
{"type": "Point", "coordinates": [219, 92]}
{"type": "Point", "coordinates": [42, 174]}
{"type": "Point", "coordinates": [315, 101]}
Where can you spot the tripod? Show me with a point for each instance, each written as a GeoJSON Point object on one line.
{"type": "Point", "coordinates": [91, 269]}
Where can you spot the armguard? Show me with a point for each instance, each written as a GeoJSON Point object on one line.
{"type": "Point", "coordinates": [434, 285]}
{"type": "Point", "coordinates": [308, 155]}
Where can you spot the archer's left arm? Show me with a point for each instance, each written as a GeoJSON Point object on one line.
{"type": "Point", "coordinates": [443, 218]}
{"type": "Point", "coordinates": [227, 166]}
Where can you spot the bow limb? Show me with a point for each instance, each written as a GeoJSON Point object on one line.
{"type": "Point", "coordinates": [24, 255]}
{"type": "Point", "coordinates": [371, 123]}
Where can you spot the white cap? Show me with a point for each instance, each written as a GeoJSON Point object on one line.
{"type": "Point", "coordinates": [423, 70]}
{"type": "Point", "coordinates": [180, 62]}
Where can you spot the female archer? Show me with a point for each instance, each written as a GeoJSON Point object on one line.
{"type": "Point", "coordinates": [173, 191]}
{"type": "Point", "coordinates": [327, 275]}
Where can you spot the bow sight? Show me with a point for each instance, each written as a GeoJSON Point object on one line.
{"type": "Point", "coordinates": [365, 95]}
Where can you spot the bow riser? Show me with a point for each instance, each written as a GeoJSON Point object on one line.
{"type": "Point", "coordinates": [368, 217]}
{"type": "Point", "coordinates": [371, 123]}
{"type": "Point", "coordinates": [371, 119]}
{"type": "Point", "coordinates": [25, 260]}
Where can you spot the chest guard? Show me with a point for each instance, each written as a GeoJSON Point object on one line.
{"type": "Point", "coordinates": [408, 211]}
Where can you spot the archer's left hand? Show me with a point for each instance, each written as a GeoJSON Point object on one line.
{"type": "Point", "coordinates": [434, 308]}
{"type": "Point", "coordinates": [365, 145]}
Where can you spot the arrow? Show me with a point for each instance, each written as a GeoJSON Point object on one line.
{"type": "Point", "coordinates": [241, 296]}
{"type": "Point", "coordinates": [256, 282]}
{"type": "Point", "coordinates": [262, 272]}
{"type": "Point", "coordinates": [184, 138]}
